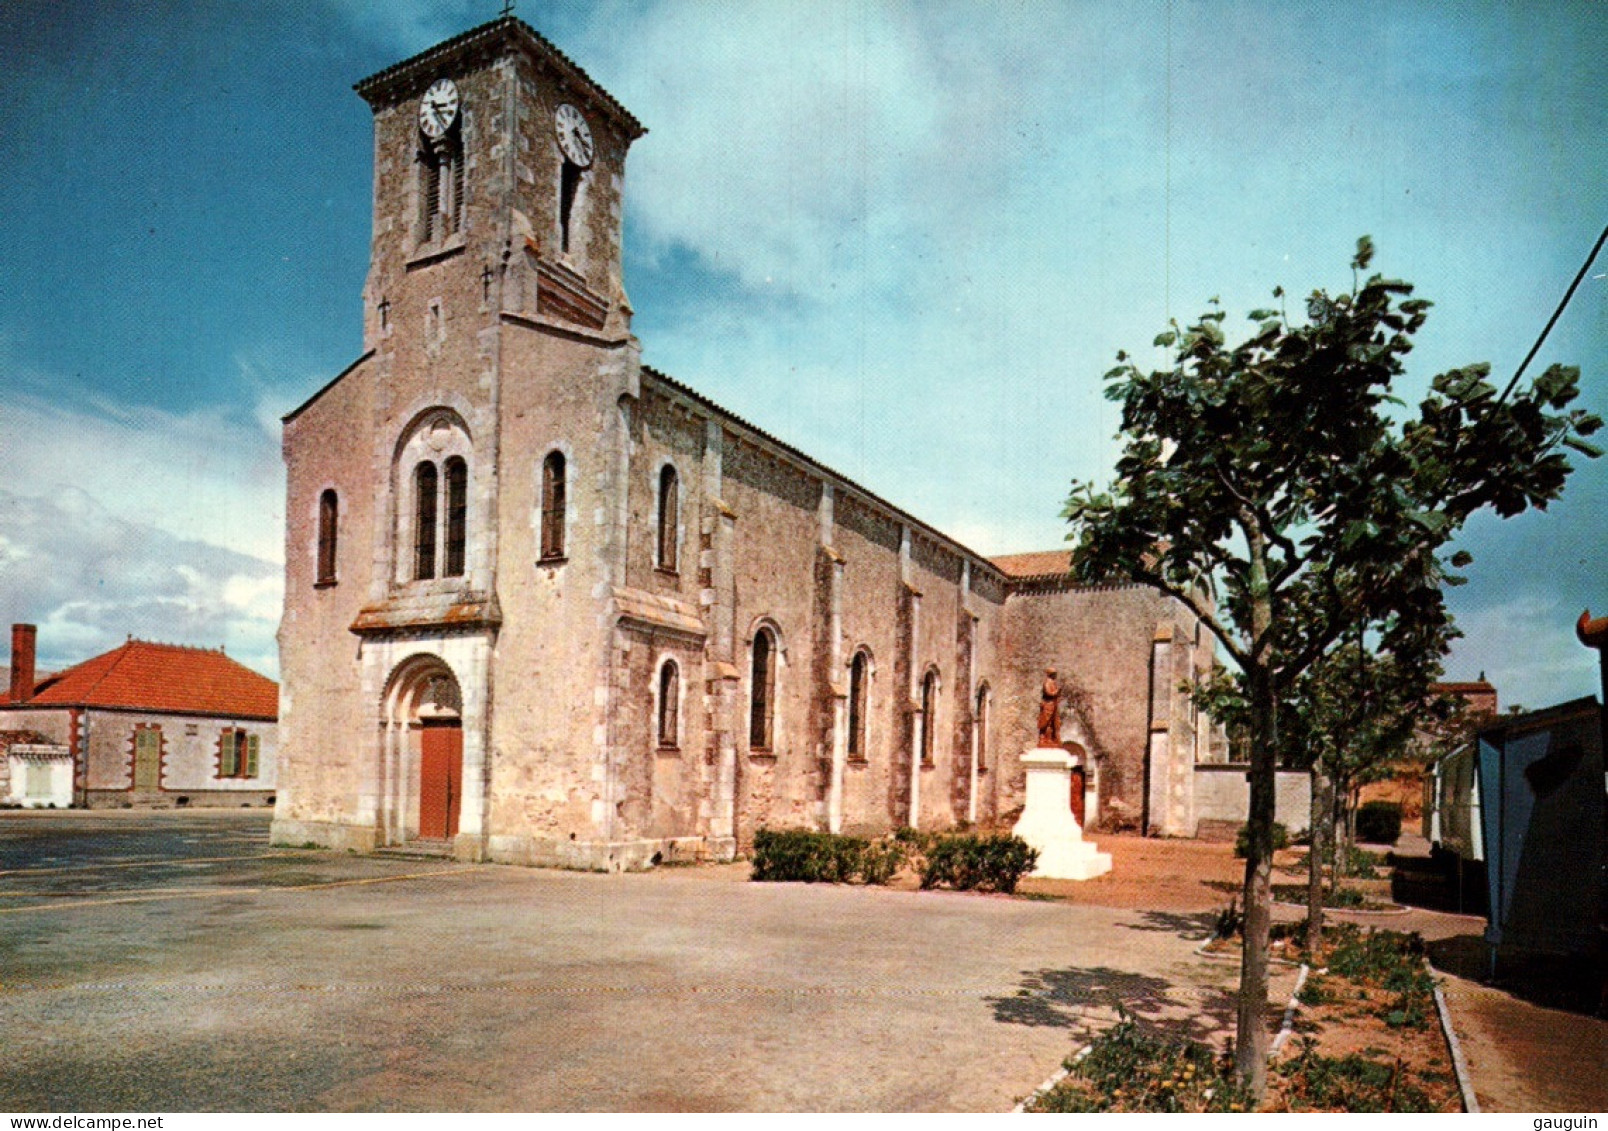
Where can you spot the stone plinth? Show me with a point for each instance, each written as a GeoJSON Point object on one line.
{"type": "Point", "coordinates": [1047, 822]}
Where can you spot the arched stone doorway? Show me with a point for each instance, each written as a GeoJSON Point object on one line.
{"type": "Point", "coordinates": [423, 754]}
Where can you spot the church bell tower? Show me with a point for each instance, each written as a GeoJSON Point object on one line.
{"type": "Point", "coordinates": [498, 176]}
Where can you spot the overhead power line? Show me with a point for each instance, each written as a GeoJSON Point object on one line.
{"type": "Point", "coordinates": [1569, 294]}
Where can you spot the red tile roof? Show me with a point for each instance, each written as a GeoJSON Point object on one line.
{"type": "Point", "coordinates": [143, 676]}
{"type": "Point", "coordinates": [1041, 563]}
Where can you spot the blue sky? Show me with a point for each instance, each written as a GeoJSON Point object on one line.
{"type": "Point", "coordinates": [908, 238]}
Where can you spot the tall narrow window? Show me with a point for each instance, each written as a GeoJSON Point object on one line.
{"type": "Point", "coordinates": [424, 521]}
{"type": "Point", "coordinates": [929, 703]}
{"type": "Point", "coordinates": [981, 723]}
{"type": "Point", "coordinates": [857, 703]}
{"type": "Point", "coordinates": [553, 506]}
{"type": "Point", "coordinates": [328, 515]}
{"type": "Point", "coordinates": [569, 183]}
{"type": "Point", "coordinates": [669, 517]}
{"type": "Point", "coordinates": [457, 515]}
{"type": "Point", "coordinates": [669, 708]}
{"type": "Point", "coordinates": [762, 692]}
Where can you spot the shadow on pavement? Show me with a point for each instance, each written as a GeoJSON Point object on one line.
{"type": "Point", "coordinates": [1574, 986]}
{"type": "Point", "coordinates": [1064, 998]}
{"type": "Point", "coordinates": [1184, 924]}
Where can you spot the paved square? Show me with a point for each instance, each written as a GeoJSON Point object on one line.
{"type": "Point", "coordinates": [174, 961]}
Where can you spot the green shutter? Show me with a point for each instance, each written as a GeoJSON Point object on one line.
{"type": "Point", "coordinates": [252, 745]}
{"type": "Point", "coordinates": [229, 762]}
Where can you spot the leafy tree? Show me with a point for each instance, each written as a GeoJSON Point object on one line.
{"type": "Point", "coordinates": [1352, 715]}
{"type": "Point", "coordinates": [1267, 487]}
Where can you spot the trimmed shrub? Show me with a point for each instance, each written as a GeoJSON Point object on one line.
{"type": "Point", "coordinates": [1379, 822]}
{"type": "Point", "coordinates": [968, 863]}
{"type": "Point", "coordinates": [1242, 839]}
{"type": "Point", "coordinates": [803, 856]}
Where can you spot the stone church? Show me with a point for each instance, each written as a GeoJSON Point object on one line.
{"type": "Point", "coordinates": [545, 604]}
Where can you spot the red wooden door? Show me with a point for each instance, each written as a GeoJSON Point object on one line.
{"type": "Point", "coordinates": [1077, 794]}
{"type": "Point", "coordinates": [440, 781]}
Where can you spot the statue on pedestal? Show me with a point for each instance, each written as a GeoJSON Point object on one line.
{"type": "Point", "coordinates": [1049, 718]}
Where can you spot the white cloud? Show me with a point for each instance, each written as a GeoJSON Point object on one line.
{"type": "Point", "coordinates": [202, 474]}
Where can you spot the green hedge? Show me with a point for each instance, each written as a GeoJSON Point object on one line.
{"type": "Point", "coordinates": [802, 856]}
{"type": "Point", "coordinates": [965, 863]}
{"type": "Point", "coordinates": [1242, 839]}
{"type": "Point", "coordinates": [1379, 822]}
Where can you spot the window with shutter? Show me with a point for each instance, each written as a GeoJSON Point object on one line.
{"type": "Point", "coordinates": [147, 757]}
{"type": "Point", "coordinates": [229, 754]}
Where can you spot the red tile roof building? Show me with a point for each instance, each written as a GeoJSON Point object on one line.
{"type": "Point", "coordinates": [151, 724]}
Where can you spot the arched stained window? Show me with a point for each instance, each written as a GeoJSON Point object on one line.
{"type": "Point", "coordinates": [328, 518]}
{"type": "Point", "coordinates": [669, 706]}
{"type": "Point", "coordinates": [553, 490]}
{"type": "Point", "coordinates": [669, 516]}
{"type": "Point", "coordinates": [859, 679]}
{"type": "Point", "coordinates": [762, 692]}
{"type": "Point", "coordinates": [457, 515]}
{"type": "Point", "coordinates": [424, 520]}
{"type": "Point", "coordinates": [929, 704]}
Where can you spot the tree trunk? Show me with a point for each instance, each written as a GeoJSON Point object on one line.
{"type": "Point", "coordinates": [1251, 1040]}
{"type": "Point", "coordinates": [1320, 825]}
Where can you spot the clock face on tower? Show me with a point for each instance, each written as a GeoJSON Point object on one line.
{"type": "Point", "coordinates": [438, 109]}
{"type": "Point", "coordinates": [574, 136]}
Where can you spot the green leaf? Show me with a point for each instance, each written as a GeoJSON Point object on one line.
{"type": "Point", "coordinates": [1165, 338]}
{"type": "Point", "coordinates": [1365, 253]}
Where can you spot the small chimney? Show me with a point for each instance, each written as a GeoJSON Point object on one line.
{"type": "Point", "coordinates": [22, 661]}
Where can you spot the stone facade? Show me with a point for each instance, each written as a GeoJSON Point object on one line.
{"type": "Point", "coordinates": [690, 630]}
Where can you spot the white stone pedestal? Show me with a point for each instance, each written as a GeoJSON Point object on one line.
{"type": "Point", "coordinates": [1047, 822]}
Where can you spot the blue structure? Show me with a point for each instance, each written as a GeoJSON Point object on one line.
{"type": "Point", "coordinates": [1542, 812]}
